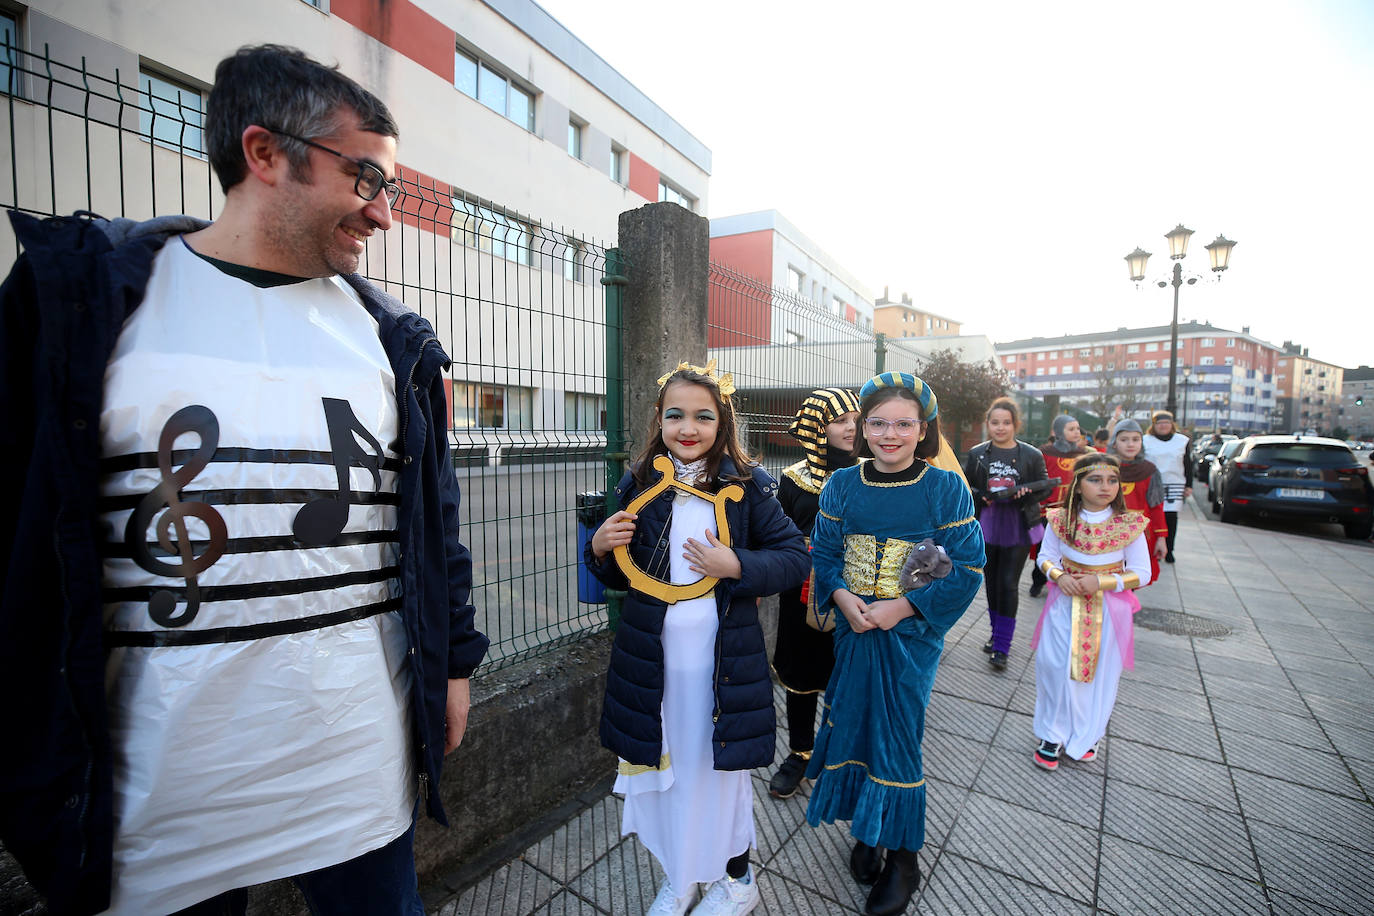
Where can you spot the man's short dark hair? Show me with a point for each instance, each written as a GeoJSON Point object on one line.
{"type": "Point", "coordinates": [281, 88]}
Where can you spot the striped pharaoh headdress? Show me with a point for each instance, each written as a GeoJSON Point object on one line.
{"type": "Point", "coordinates": [820, 409]}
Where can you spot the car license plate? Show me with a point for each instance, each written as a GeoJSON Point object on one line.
{"type": "Point", "coordinates": [1297, 493]}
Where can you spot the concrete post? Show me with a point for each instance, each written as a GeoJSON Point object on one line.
{"type": "Point", "coordinates": [667, 248]}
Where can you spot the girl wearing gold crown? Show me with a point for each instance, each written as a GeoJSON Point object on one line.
{"type": "Point", "coordinates": [699, 538]}
{"type": "Point", "coordinates": [1094, 554]}
{"type": "Point", "coordinates": [898, 556]}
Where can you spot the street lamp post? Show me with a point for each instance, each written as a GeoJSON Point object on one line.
{"type": "Point", "coordinates": [1220, 253]}
{"type": "Point", "coordinates": [1187, 377]}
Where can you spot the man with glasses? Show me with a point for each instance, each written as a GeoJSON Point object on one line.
{"type": "Point", "coordinates": [235, 602]}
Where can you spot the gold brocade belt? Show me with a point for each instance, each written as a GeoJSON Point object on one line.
{"type": "Point", "coordinates": [1085, 634]}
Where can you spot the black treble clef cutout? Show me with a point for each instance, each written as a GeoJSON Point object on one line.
{"type": "Point", "coordinates": [322, 520]}
{"type": "Point", "coordinates": [162, 604]}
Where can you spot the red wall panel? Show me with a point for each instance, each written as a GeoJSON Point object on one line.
{"type": "Point", "coordinates": [404, 27]}
{"type": "Point", "coordinates": [738, 314]}
{"type": "Point", "coordinates": [643, 178]}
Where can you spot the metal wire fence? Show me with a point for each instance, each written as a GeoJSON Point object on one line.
{"type": "Point", "coordinates": [519, 306]}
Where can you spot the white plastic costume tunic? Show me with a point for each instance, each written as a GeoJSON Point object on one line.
{"type": "Point", "coordinates": [691, 816]}
{"type": "Point", "coordinates": [250, 744]}
{"type": "Point", "coordinates": [1075, 685]}
{"type": "Point", "coordinates": [1168, 457]}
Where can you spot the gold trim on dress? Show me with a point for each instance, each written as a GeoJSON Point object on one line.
{"type": "Point", "coordinates": [789, 689]}
{"type": "Point", "coordinates": [869, 773]}
{"type": "Point", "coordinates": [800, 474]}
{"type": "Point", "coordinates": [833, 518]}
{"type": "Point", "coordinates": [635, 769]}
{"type": "Point", "coordinates": [1085, 632]}
{"type": "Point", "coordinates": [962, 521]}
{"type": "Point", "coordinates": [863, 474]}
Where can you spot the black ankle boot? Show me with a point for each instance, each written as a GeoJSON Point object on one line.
{"type": "Point", "coordinates": [865, 863]}
{"type": "Point", "coordinates": [899, 880]}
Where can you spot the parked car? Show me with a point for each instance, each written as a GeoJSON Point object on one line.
{"type": "Point", "coordinates": [1302, 477]}
{"type": "Point", "coordinates": [1228, 450]}
{"type": "Point", "coordinates": [1204, 451]}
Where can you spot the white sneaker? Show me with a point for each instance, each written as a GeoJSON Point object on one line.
{"type": "Point", "coordinates": [668, 903]}
{"type": "Point", "coordinates": [730, 896]}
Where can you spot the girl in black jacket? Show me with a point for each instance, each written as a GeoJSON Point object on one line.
{"type": "Point", "coordinates": [999, 472]}
{"type": "Point", "coordinates": [689, 701]}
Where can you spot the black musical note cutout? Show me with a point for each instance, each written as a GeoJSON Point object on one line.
{"type": "Point", "coordinates": [162, 604]}
{"type": "Point", "coordinates": [322, 520]}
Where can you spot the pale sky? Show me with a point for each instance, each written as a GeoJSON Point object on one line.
{"type": "Point", "coordinates": [998, 160]}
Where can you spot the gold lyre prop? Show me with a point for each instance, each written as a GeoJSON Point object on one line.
{"type": "Point", "coordinates": [652, 585]}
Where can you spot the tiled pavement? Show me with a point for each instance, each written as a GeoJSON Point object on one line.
{"type": "Point", "coordinates": [1236, 778]}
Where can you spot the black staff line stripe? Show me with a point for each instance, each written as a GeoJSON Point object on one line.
{"type": "Point", "coordinates": [257, 498]}
{"type": "Point", "coordinates": [256, 589]}
{"type": "Point", "coordinates": [139, 460]}
{"type": "Point", "coordinates": [118, 550]}
{"type": "Point", "coordinates": [217, 635]}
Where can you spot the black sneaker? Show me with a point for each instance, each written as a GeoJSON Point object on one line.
{"type": "Point", "coordinates": [987, 647]}
{"type": "Point", "coordinates": [998, 660]}
{"type": "Point", "coordinates": [1169, 557]}
{"type": "Point", "coordinates": [1047, 755]}
{"type": "Point", "coordinates": [789, 775]}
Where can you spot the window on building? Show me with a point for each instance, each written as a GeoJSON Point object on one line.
{"type": "Point", "coordinates": [480, 80]}
{"type": "Point", "coordinates": [1084, 368]}
{"type": "Point", "coordinates": [1209, 342]}
{"type": "Point", "coordinates": [795, 279]}
{"type": "Point", "coordinates": [171, 113]}
{"type": "Point", "coordinates": [1040, 370]}
{"type": "Point", "coordinates": [1054, 370]}
{"type": "Point", "coordinates": [1132, 364]}
{"type": "Point", "coordinates": [1151, 347]}
{"type": "Point", "coordinates": [583, 411]}
{"type": "Point", "coordinates": [1230, 341]}
{"type": "Point", "coordinates": [479, 406]}
{"type": "Point", "coordinates": [1283, 362]}
{"type": "Point", "coordinates": [574, 138]}
{"type": "Point", "coordinates": [794, 338]}
{"type": "Point", "coordinates": [1085, 352]}
{"type": "Point", "coordinates": [492, 231]}
{"type": "Point", "coordinates": [617, 169]}
{"type": "Point", "coordinates": [1166, 363]}
{"type": "Point", "coordinates": [929, 324]}
{"type": "Point", "coordinates": [1132, 348]}
{"type": "Point", "coordinates": [1097, 351]}
{"type": "Point", "coordinates": [9, 51]}
{"type": "Point", "coordinates": [1230, 360]}
{"type": "Point", "coordinates": [574, 262]}
{"type": "Point", "coordinates": [1111, 367]}
{"type": "Point", "coordinates": [1151, 364]}
{"type": "Point", "coordinates": [667, 192]}
{"type": "Point", "coordinates": [836, 305]}
{"type": "Point", "coordinates": [1054, 354]}
{"type": "Point", "coordinates": [1207, 361]}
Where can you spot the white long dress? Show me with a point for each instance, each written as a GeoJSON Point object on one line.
{"type": "Point", "coordinates": [1068, 712]}
{"type": "Point", "coordinates": [691, 816]}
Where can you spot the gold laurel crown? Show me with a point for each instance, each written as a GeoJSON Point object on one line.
{"type": "Point", "coordinates": [724, 381]}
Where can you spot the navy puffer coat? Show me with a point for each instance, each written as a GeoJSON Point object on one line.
{"type": "Point", "coordinates": [772, 557]}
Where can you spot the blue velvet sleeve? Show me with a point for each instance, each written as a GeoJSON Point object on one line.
{"type": "Point", "coordinates": [943, 601]}
{"type": "Point", "coordinates": [827, 539]}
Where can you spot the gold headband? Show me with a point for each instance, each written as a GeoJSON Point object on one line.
{"type": "Point", "coordinates": [724, 381]}
{"type": "Point", "coordinates": [1094, 465]}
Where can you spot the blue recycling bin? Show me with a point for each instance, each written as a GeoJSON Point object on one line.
{"type": "Point", "coordinates": [591, 512]}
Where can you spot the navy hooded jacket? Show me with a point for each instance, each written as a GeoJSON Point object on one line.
{"type": "Point", "coordinates": [772, 556]}
{"type": "Point", "coordinates": [64, 304]}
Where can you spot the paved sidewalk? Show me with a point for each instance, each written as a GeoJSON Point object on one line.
{"type": "Point", "coordinates": [1236, 778]}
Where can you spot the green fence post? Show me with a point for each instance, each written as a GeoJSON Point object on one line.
{"type": "Point", "coordinates": [617, 457]}
{"type": "Point", "coordinates": [879, 353]}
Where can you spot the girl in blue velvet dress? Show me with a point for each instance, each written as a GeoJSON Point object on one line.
{"type": "Point", "coordinates": [867, 761]}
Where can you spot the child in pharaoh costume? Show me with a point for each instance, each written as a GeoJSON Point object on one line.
{"type": "Point", "coordinates": [1095, 555]}
{"type": "Point", "coordinates": [805, 654]}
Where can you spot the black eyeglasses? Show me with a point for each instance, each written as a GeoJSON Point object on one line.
{"type": "Point", "coordinates": [370, 178]}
